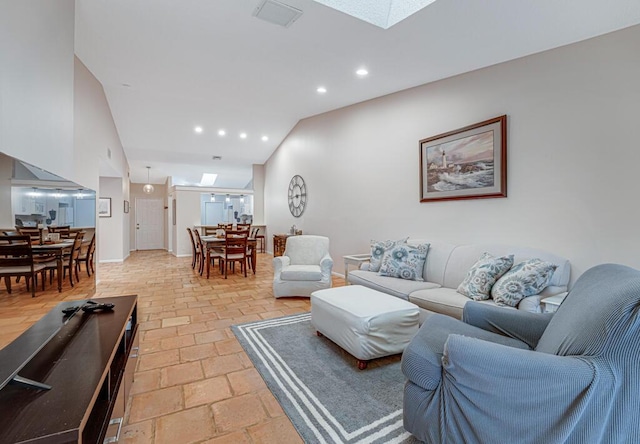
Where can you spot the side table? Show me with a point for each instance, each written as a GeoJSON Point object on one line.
{"type": "Point", "coordinates": [354, 259]}
{"type": "Point", "coordinates": [551, 304]}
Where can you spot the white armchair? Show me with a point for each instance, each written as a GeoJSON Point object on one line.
{"type": "Point", "coordinates": [304, 268]}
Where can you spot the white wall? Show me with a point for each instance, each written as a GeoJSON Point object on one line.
{"type": "Point", "coordinates": [572, 159]}
{"type": "Point", "coordinates": [188, 215]}
{"type": "Point", "coordinates": [36, 84]}
{"type": "Point", "coordinates": [6, 170]}
{"type": "Point", "coordinates": [110, 233]}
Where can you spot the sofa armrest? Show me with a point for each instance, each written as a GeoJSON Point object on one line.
{"type": "Point", "coordinates": [524, 326]}
{"type": "Point", "coordinates": [326, 265]}
{"type": "Point", "coordinates": [279, 263]}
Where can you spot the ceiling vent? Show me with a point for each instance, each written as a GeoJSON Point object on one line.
{"type": "Point", "coordinates": [277, 13]}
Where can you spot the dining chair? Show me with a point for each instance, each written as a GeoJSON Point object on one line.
{"type": "Point", "coordinates": [71, 262]}
{"type": "Point", "coordinates": [16, 259]}
{"type": "Point", "coordinates": [260, 240]}
{"type": "Point", "coordinates": [34, 233]}
{"type": "Point", "coordinates": [88, 256]}
{"type": "Point", "coordinates": [209, 230]}
{"type": "Point", "coordinates": [64, 230]}
{"type": "Point", "coordinates": [203, 251]}
{"type": "Point", "coordinates": [243, 227]}
{"type": "Point", "coordinates": [235, 250]}
{"type": "Point", "coordinates": [195, 249]}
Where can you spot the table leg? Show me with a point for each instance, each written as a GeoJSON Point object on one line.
{"type": "Point", "coordinates": [208, 261]}
{"type": "Point", "coordinates": [59, 259]}
{"type": "Point", "coordinates": [253, 259]}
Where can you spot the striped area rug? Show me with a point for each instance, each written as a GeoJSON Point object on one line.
{"type": "Point", "coordinates": [320, 387]}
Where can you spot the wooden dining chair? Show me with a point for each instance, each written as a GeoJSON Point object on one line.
{"type": "Point", "coordinates": [16, 259]}
{"type": "Point", "coordinates": [64, 230]}
{"type": "Point", "coordinates": [235, 250]}
{"type": "Point", "coordinates": [195, 249]}
{"type": "Point", "coordinates": [243, 227]}
{"type": "Point", "coordinates": [71, 262]}
{"type": "Point", "coordinates": [203, 251]}
{"type": "Point", "coordinates": [34, 233]}
{"type": "Point", "coordinates": [88, 256]}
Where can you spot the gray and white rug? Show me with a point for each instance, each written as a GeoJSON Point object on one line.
{"type": "Point", "coordinates": [320, 387]}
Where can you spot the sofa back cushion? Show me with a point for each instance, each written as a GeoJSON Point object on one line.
{"type": "Point", "coordinates": [437, 257]}
{"type": "Point", "coordinates": [463, 257]}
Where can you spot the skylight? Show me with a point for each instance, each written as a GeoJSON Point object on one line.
{"type": "Point", "coordinates": [382, 13]}
{"type": "Point", "coordinates": [208, 179]}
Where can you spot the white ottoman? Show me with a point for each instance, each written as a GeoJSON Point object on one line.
{"type": "Point", "coordinates": [366, 323]}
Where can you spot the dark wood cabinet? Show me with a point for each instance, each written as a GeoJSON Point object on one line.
{"type": "Point", "coordinates": [88, 363]}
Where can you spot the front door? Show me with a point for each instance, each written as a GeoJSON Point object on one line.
{"type": "Point", "coordinates": [149, 224]}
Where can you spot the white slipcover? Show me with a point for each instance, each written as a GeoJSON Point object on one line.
{"type": "Point", "coordinates": [304, 268]}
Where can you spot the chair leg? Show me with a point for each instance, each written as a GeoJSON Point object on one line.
{"type": "Point", "coordinates": [7, 283]}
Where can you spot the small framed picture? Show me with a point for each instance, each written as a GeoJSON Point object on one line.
{"type": "Point", "coordinates": [126, 206]}
{"type": "Point", "coordinates": [104, 207]}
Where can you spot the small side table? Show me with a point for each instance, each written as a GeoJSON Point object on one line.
{"type": "Point", "coordinates": [354, 259]}
{"type": "Point", "coordinates": [552, 303]}
{"type": "Point", "coordinates": [279, 244]}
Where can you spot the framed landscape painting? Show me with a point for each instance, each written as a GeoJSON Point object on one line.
{"type": "Point", "coordinates": [467, 163]}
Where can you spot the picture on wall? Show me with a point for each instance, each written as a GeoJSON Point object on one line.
{"type": "Point", "coordinates": [467, 163]}
{"type": "Point", "coordinates": [104, 207]}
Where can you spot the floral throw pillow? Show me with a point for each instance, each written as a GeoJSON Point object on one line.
{"type": "Point", "coordinates": [405, 262]}
{"type": "Point", "coordinates": [378, 248]}
{"type": "Point", "coordinates": [524, 279]}
{"type": "Point", "coordinates": [483, 274]}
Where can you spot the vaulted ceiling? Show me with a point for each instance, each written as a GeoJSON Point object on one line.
{"type": "Point", "coordinates": [170, 66]}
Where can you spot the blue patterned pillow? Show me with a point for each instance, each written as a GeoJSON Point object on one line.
{"type": "Point", "coordinates": [378, 248]}
{"type": "Point", "coordinates": [483, 274]}
{"type": "Point", "coordinates": [524, 279]}
{"type": "Point", "coordinates": [404, 262]}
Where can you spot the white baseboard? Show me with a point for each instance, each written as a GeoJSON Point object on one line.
{"type": "Point", "coordinates": [108, 261]}
{"type": "Point", "coordinates": [183, 255]}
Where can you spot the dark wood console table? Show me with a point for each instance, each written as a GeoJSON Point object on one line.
{"type": "Point", "coordinates": [88, 363]}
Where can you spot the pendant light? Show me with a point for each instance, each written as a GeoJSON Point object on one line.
{"type": "Point", "coordinates": [148, 188]}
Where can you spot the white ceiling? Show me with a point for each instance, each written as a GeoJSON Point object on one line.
{"type": "Point", "coordinates": [212, 63]}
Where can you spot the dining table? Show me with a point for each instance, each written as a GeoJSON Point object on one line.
{"type": "Point", "coordinates": [57, 250]}
{"type": "Point", "coordinates": [212, 242]}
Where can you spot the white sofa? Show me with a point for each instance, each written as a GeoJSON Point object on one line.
{"type": "Point", "coordinates": [447, 266]}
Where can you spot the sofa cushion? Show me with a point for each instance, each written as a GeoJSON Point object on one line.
{"type": "Point", "coordinates": [379, 248]}
{"type": "Point", "coordinates": [399, 288]}
{"type": "Point", "coordinates": [404, 262]}
{"type": "Point", "coordinates": [483, 274]}
{"type": "Point", "coordinates": [524, 279]}
{"type": "Point", "coordinates": [442, 300]}
{"type": "Point", "coordinates": [301, 273]}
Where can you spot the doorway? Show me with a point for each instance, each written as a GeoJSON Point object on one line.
{"type": "Point", "coordinates": [149, 224]}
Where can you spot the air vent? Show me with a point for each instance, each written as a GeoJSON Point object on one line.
{"type": "Point", "coordinates": [217, 157]}
{"type": "Point", "coordinates": [277, 13]}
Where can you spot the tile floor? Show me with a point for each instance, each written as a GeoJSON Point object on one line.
{"type": "Point", "coordinates": [194, 383]}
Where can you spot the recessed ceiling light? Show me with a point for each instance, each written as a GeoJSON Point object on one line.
{"type": "Point", "coordinates": [265, 138]}
{"type": "Point", "coordinates": [221, 132]}
{"type": "Point", "coordinates": [321, 90]}
{"type": "Point", "coordinates": [243, 135]}
{"type": "Point", "coordinates": [362, 72]}
{"type": "Point", "coordinates": [198, 129]}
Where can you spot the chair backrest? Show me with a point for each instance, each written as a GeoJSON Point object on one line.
{"type": "Point", "coordinates": [77, 247]}
{"type": "Point", "coordinates": [92, 245]}
{"type": "Point", "coordinates": [599, 316]}
{"type": "Point", "coordinates": [243, 227]}
{"type": "Point", "coordinates": [208, 230]}
{"type": "Point", "coordinates": [193, 243]}
{"type": "Point", "coordinates": [34, 233]}
{"type": "Point", "coordinates": [64, 230]}
{"type": "Point", "coordinates": [15, 251]}
{"type": "Point", "coordinates": [254, 232]}
{"type": "Point", "coordinates": [235, 243]}
{"type": "Point", "coordinates": [199, 242]}
{"type": "Point", "coordinates": [306, 249]}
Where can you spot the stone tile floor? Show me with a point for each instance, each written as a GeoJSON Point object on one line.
{"type": "Point", "coordinates": [193, 382]}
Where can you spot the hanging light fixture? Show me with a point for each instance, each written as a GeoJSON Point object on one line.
{"type": "Point", "coordinates": [148, 188]}
{"type": "Point", "coordinates": [228, 198]}
{"type": "Point", "coordinates": [213, 197]}
{"type": "Point", "coordinates": [242, 198]}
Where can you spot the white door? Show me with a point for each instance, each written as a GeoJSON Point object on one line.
{"type": "Point", "coordinates": [149, 224]}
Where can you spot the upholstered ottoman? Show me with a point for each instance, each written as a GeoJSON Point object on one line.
{"type": "Point", "coordinates": [366, 323]}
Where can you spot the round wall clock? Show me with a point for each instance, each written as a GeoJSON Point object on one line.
{"type": "Point", "coordinates": [297, 195]}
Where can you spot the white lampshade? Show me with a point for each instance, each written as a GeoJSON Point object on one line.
{"type": "Point", "coordinates": [148, 188]}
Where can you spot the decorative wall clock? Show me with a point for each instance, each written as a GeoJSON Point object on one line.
{"type": "Point", "coordinates": [297, 195]}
